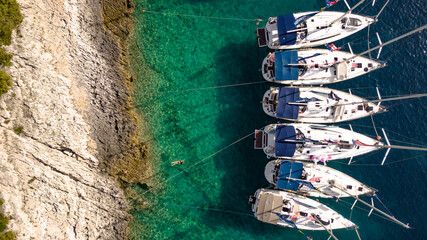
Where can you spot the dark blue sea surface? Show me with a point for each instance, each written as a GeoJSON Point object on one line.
{"type": "Point", "coordinates": [172, 55]}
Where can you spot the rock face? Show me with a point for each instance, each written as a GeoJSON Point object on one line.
{"type": "Point", "coordinates": [69, 96]}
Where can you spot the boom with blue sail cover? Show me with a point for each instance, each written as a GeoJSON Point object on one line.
{"type": "Point", "coordinates": [282, 148]}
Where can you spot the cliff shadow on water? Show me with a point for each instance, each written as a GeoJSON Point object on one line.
{"type": "Point", "coordinates": [241, 164]}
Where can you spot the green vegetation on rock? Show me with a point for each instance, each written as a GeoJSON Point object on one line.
{"type": "Point", "coordinates": [5, 58]}
{"type": "Point", "coordinates": [18, 130]}
{"type": "Point", "coordinates": [3, 225]}
{"type": "Point", "coordinates": [10, 17]}
{"type": "Point", "coordinates": [4, 82]}
{"type": "Point", "coordinates": [8, 236]}
{"type": "Point", "coordinates": [3, 222]}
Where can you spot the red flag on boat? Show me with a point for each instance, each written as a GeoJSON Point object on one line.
{"type": "Point", "coordinates": [330, 2]}
{"type": "Point", "coordinates": [332, 47]}
{"type": "Point", "coordinates": [359, 143]}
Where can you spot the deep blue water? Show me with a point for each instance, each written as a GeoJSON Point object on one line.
{"type": "Point", "coordinates": [174, 52]}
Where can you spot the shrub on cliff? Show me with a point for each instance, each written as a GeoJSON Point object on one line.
{"type": "Point", "coordinates": [3, 224]}
{"type": "Point", "coordinates": [4, 82]}
{"type": "Point", "coordinates": [8, 236]}
{"type": "Point", "coordinates": [18, 130]}
{"type": "Point", "coordinates": [5, 58]}
{"type": "Point", "coordinates": [10, 17]}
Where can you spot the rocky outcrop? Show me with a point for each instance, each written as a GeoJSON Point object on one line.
{"type": "Point", "coordinates": [72, 99]}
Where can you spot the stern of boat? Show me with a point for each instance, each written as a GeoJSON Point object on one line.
{"type": "Point", "coordinates": [259, 139]}
{"type": "Point", "coordinates": [268, 67]}
{"type": "Point", "coordinates": [253, 200]}
{"type": "Point", "coordinates": [270, 172]}
{"type": "Point", "coordinates": [261, 37]}
{"type": "Point", "coordinates": [264, 138]}
{"type": "Point", "coordinates": [269, 101]}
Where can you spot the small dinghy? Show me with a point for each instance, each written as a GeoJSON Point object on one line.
{"type": "Point", "coordinates": [316, 105]}
{"type": "Point", "coordinates": [309, 29]}
{"type": "Point", "coordinates": [307, 142]}
{"type": "Point", "coordinates": [315, 66]}
{"type": "Point", "coordinates": [291, 210]}
{"type": "Point", "coordinates": [313, 180]}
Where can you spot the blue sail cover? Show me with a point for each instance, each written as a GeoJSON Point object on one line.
{"type": "Point", "coordinates": [289, 170]}
{"type": "Point", "coordinates": [283, 148]}
{"type": "Point", "coordinates": [284, 109]}
{"type": "Point", "coordinates": [282, 69]}
{"type": "Point", "coordinates": [285, 23]}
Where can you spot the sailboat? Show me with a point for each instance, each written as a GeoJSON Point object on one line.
{"type": "Point", "coordinates": [307, 142]}
{"type": "Point", "coordinates": [309, 29]}
{"type": "Point", "coordinates": [316, 105]}
{"type": "Point", "coordinates": [315, 66]}
{"type": "Point", "coordinates": [291, 210]}
{"type": "Point", "coordinates": [313, 180]}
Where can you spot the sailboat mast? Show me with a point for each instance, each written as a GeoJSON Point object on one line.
{"type": "Point", "coordinates": [382, 9]}
{"type": "Point", "coordinates": [376, 209]}
{"type": "Point", "coordinates": [387, 99]}
{"type": "Point", "coordinates": [329, 231]}
{"type": "Point", "coordinates": [349, 11]}
{"type": "Point", "coordinates": [387, 43]}
{"type": "Point", "coordinates": [403, 147]}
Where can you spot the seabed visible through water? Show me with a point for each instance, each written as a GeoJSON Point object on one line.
{"type": "Point", "coordinates": [172, 54]}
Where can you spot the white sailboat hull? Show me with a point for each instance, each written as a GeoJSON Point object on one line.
{"type": "Point", "coordinates": [324, 68]}
{"type": "Point", "coordinates": [327, 180]}
{"type": "Point", "coordinates": [319, 143]}
{"type": "Point", "coordinates": [318, 32]}
{"type": "Point", "coordinates": [326, 109]}
{"type": "Point", "coordinates": [299, 209]}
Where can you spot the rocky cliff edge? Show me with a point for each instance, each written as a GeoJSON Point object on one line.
{"type": "Point", "coordinates": [69, 97]}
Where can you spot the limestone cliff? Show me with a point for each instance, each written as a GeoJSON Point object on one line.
{"type": "Point", "coordinates": [69, 96]}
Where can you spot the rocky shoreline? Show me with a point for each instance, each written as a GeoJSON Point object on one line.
{"type": "Point", "coordinates": [71, 95]}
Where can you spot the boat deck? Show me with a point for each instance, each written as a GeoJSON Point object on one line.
{"type": "Point", "coordinates": [258, 139]}
{"type": "Point", "coordinates": [262, 41]}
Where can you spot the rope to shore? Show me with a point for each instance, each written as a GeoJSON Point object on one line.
{"type": "Point", "coordinates": [192, 166]}
{"type": "Point", "coordinates": [212, 209]}
{"type": "Point", "coordinates": [220, 86]}
{"type": "Point", "coordinates": [257, 20]}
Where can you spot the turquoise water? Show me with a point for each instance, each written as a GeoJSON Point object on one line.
{"type": "Point", "coordinates": [173, 55]}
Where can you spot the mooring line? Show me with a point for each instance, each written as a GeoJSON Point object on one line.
{"type": "Point", "coordinates": [220, 86]}
{"type": "Point", "coordinates": [258, 20]}
{"type": "Point", "coordinates": [211, 209]}
{"type": "Point", "coordinates": [197, 163]}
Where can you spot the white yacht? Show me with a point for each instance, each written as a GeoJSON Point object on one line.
{"type": "Point", "coordinates": [313, 180]}
{"type": "Point", "coordinates": [291, 210]}
{"type": "Point", "coordinates": [309, 29]}
{"type": "Point", "coordinates": [315, 66]}
{"type": "Point", "coordinates": [307, 142]}
{"type": "Point", "coordinates": [316, 105]}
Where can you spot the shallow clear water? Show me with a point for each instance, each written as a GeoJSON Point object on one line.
{"type": "Point", "coordinates": [171, 53]}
